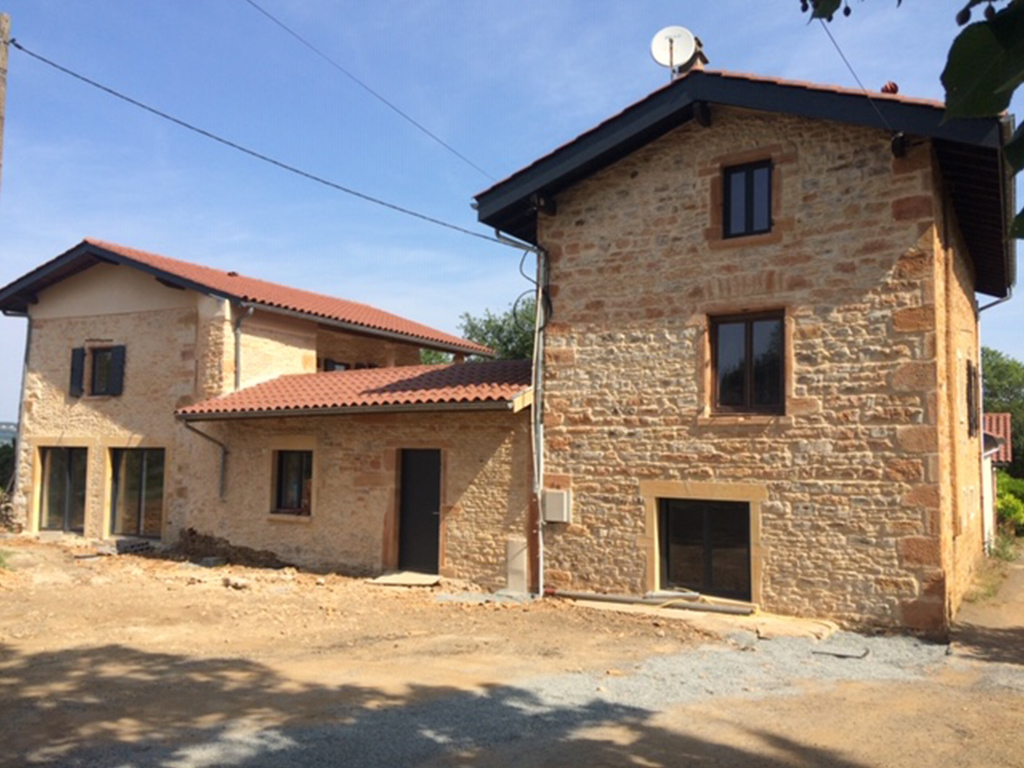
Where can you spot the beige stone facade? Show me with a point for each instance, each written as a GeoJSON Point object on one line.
{"type": "Point", "coordinates": [863, 494]}
{"type": "Point", "coordinates": [183, 346]}
{"type": "Point", "coordinates": [354, 520]}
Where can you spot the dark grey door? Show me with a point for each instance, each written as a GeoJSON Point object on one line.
{"type": "Point", "coordinates": [419, 524]}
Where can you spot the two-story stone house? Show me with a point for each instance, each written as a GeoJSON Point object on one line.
{"type": "Point", "coordinates": [760, 357]}
{"type": "Point", "coordinates": [161, 395]}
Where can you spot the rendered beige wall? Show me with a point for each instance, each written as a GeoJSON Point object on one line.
{"type": "Point", "coordinates": [851, 477]}
{"type": "Point", "coordinates": [353, 526]}
{"type": "Point", "coordinates": [160, 373]}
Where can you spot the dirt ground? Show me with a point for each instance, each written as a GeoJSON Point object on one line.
{"type": "Point", "coordinates": [153, 655]}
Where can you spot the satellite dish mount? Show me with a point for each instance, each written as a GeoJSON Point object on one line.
{"type": "Point", "coordinates": [678, 49]}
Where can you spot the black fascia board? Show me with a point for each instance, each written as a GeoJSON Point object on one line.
{"type": "Point", "coordinates": [845, 107]}
{"type": "Point", "coordinates": [507, 203]}
{"type": "Point", "coordinates": [599, 147]}
{"type": "Point", "coordinates": [78, 259]}
{"type": "Point", "coordinates": [167, 278]}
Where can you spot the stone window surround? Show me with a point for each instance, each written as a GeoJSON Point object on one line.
{"type": "Point", "coordinates": [290, 443]}
{"type": "Point", "coordinates": [651, 491]}
{"type": "Point", "coordinates": [714, 323]}
{"type": "Point", "coordinates": [780, 158]}
{"type": "Point", "coordinates": [749, 172]}
{"type": "Point", "coordinates": [706, 415]}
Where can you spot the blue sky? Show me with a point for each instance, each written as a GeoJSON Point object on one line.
{"type": "Point", "coordinates": [502, 82]}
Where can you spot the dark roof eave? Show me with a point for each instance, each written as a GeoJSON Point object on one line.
{"type": "Point", "coordinates": [508, 205]}
{"type": "Point", "coordinates": [489, 405]}
{"type": "Point", "coordinates": [86, 254]}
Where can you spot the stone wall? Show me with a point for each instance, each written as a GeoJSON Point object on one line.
{"type": "Point", "coordinates": [354, 521]}
{"type": "Point", "coordinates": [844, 487]}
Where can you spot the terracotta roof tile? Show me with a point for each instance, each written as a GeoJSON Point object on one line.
{"type": "Point", "coordinates": [413, 385]}
{"type": "Point", "coordinates": [999, 425]}
{"type": "Point", "coordinates": [257, 291]}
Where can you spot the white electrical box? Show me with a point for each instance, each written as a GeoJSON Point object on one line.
{"type": "Point", "coordinates": [556, 506]}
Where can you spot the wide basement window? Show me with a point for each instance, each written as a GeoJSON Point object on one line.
{"type": "Point", "coordinates": [293, 482]}
{"type": "Point", "coordinates": [747, 354]}
{"type": "Point", "coordinates": [705, 546]}
{"type": "Point", "coordinates": [137, 499]}
{"type": "Point", "coordinates": [748, 199]}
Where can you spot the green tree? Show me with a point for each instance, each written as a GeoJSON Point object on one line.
{"type": "Point", "coordinates": [1003, 391]}
{"type": "Point", "coordinates": [984, 67]}
{"type": "Point", "coordinates": [509, 334]}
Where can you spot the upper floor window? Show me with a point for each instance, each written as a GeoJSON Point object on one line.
{"type": "Point", "coordinates": [747, 359]}
{"type": "Point", "coordinates": [105, 374]}
{"type": "Point", "coordinates": [747, 199]}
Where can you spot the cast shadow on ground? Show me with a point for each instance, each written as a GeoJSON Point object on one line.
{"type": "Point", "coordinates": [117, 706]}
{"type": "Point", "coordinates": [1004, 645]}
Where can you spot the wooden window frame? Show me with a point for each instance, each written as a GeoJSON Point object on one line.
{"type": "Point", "coordinates": [747, 169]}
{"type": "Point", "coordinates": [714, 321]}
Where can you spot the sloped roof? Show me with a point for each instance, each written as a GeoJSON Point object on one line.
{"type": "Point", "coordinates": [350, 315]}
{"type": "Point", "coordinates": [499, 384]}
{"type": "Point", "coordinates": [969, 153]}
{"type": "Point", "coordinates": [999, 425]}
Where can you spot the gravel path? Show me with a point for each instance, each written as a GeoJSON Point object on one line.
{"type": "Point", "coordinates": [455, 729]}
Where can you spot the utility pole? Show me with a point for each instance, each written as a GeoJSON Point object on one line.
{"type": "Point", "coordinates": [5, 40]}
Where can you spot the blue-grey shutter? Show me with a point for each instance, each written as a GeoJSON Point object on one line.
{"type": "Point", "coordinates": [116, 370]}
{"type": "Point", "coordinates": [77, 388]}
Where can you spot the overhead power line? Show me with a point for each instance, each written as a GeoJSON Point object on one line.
{"type": "Point", "coordinates": [853, 72]}
{"type": "Point", "coordinates": [253, 153]}
{"type": "Point", "coordinates": [369, 90]}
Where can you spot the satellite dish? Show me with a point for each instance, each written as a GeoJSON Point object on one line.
{"type": "Point", "coordinates": [674, 47]}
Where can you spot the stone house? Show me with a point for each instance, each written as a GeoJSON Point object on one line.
{"type": "Point", "coordinates": [160, 396]}
{"type": "Point", "coordinates": [759, 369]}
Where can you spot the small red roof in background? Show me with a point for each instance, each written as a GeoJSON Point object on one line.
{"type": "Point", "coordinates": [294, 299]}
{"type": "Point", "coordinates": [999, 425]}
{"type": "Point", "coordinates": [498, 381]}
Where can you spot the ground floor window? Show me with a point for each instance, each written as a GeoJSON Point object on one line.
{"type": "Point", "coordinates": [293, 482]}
{"type": "Point", "coordinates": [705, 546]}
{"type": "Point", "coordinates": [137, 498]}
{"type": "Point", "coordinates": [62, 506]}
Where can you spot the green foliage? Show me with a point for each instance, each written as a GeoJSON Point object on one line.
{"type": "Point", "coordinates": [1010, 501]}
{"type": "Point", "coordinates": [1005, 547]}
{"type": "Point", "coordinates": [6, 465]}
{"type": "Point", "coordinates": [984, 67]}
{"type": "Point", "coordinates": [434, 357]}
{"type": "Point", "coordinates": [1002, 392]}
{"type": "Point", "coordinates": [509, 334]}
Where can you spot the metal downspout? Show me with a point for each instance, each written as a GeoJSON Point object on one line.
{"type": "Point", "coordinates": [18, 439]}
{"type": "Point", "coordinates": [238, 340]}
{"type": "Point", "coordinates": [223, 456]}
{"type": "Point", "coordinates": [537, 410]}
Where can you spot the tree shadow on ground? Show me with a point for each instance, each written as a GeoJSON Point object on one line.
{"type": "Point", "coordinates": [117, 706]}
{"type": "Point", "coordinates": [1004, 645]}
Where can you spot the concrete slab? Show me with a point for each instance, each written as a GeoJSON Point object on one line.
{"type": "Point", "coordinates": [764, 626]}
{"type": "Point", "coordinates": [406, 579]}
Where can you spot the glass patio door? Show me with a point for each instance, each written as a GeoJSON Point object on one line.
{"type": "Point", "coordinates": [63, 489]}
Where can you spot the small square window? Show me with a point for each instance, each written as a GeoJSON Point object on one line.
{"type": "Point", "coordinates": [747, 360]}
{"type": "Point", "coordinates": [293, 482]}
{"type": "Point", "coordinates": [747, 199]}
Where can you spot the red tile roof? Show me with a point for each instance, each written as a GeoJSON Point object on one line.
{"type": "Point", "coordinates": [314, 305]}
{"type": "Point", "coordinates": [497, 382]}
{"type": "Point", "coordinates": [999, 425]}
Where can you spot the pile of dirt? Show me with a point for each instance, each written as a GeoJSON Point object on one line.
{"type": "Point", "coordinates": [193, 545]}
